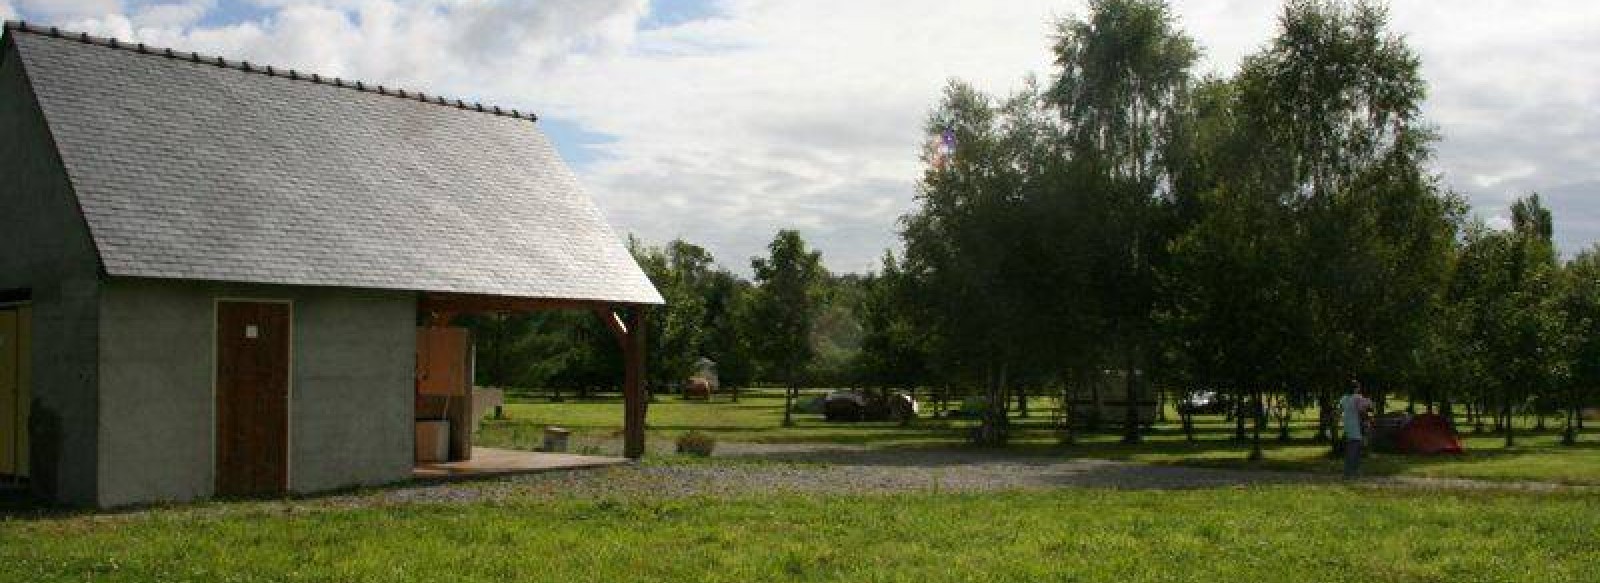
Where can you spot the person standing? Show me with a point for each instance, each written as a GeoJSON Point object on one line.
{"type": "Point", "coordinates": [1357, 410]}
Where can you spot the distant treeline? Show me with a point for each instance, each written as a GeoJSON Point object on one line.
{"type": "Point", "coordinates": [1274, 236]}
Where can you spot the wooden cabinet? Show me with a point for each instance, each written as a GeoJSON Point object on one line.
{"type": "Point", "coordinates": [442, 361]}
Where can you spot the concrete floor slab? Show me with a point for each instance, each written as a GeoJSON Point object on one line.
{"type": "Point", "coordinates": [490, 462]}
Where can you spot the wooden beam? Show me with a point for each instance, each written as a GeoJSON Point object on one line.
{"type": "Point", "coordinates": [614, 323]}
{"type": "Point", "coordinates": [634, 398]}
{"type": "Point", "coordinates": [458, 303]}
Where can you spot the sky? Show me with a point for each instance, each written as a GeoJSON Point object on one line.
{"type": "Point", "coordinates": [722, 121]}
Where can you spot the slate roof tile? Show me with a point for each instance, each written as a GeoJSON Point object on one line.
{"type": "Point", "coordinates": [185, 168]}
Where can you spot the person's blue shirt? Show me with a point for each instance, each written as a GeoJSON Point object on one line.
{"type": "Point", "coordinates": [1353, 406]}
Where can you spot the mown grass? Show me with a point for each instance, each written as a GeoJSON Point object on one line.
{"type": "Point", "coordinates": [1322, 533]}
{"type": "Point", "coordinates": [757, 419]}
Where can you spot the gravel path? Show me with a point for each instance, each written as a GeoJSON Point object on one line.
{"type": "Point", "coordinates": [837, 469]}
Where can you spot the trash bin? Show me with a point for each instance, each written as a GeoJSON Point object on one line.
{"type": "Point", "coordinates": [555, 439]}
{"type": "Point", "coordinates": [433, 440]}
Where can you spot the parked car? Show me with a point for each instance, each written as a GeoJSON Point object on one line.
{"type": "Point", "coordinates": [855, 405]}
{"type": "Point", "coordinates": [1203, 402]}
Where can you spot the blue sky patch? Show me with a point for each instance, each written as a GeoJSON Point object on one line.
{"type": "Point", "coordinates": [578, 146]}
{"type": "Point", "coordinates": [668, 13]}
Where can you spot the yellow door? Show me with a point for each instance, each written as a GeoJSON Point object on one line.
{"type": "Point", "coordinates": [10, 345]}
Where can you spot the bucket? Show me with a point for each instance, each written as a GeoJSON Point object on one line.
{"type": "Point", "coordinates": [555, 439]}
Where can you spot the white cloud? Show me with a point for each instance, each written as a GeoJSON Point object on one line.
{"type": "Point", "coordinates": [802, 115]}
{"type": "Point", "coordinates": [6, 11]}
{"type": "Point", "coordinates": [808, 114]}
{"type": "Point", "coordinates": [174, 14]}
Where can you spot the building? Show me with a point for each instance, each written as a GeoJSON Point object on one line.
{"type": "Point", "coordinates": [214, 272]}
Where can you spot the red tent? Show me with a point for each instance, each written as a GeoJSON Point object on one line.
{"type": "Point", "coordinates": [1428, 434]}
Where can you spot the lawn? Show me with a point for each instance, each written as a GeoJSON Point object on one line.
{"type": "Point", "coordinates": [1321, 533]}
{"type": "Point", "coordinates": [632, 531]}
{"type": "Point", "coordinates": [757, 419]}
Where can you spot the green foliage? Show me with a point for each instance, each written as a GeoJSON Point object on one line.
{"type": "Point", "coordinates": [1512, 327]}
{"type": "Point", "coordinates": [896, 348]}
{"type": "Point", "coordinates": [727, 341]}
{"type": "Point", "coordinates": [1580, 304]}
{"type": "Point", "coordinates": [1272, 235]}
{"type": "Point", "coordinates": [681, 271]}
{"type": "Point", "coordinates": [568, 350]}
{"type": "Point", "coordinates": [696, 443]}
{"type": "Point", "coordinates": [786, 304]}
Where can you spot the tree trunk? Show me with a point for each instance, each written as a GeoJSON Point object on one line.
{"type": "Point", "coordinates": [1324, 416]}
{"type": "Point", "coordinates": [1022, 402]}
{"type": "Point", "coordinates": [1578, 404]}
{"type": "Point", "coordinates": [1187, 418]}
{"type": "Point", "coordinates": [1130, 418]}
{"type": "Point", "coordinates": [1569, 435]}
{"type": "Point", "coordinates": [1094, 397]}
{"type": "Point", "coordinates": [1283, 420]}
{"type": "Point", "coordinates": [1509, 432]}
{"type": "Point", "coordinates": [1259, 409]}
{"type": "Point", "coordinates": [788, 404]}
{"type": "Point", "coordinates": [1255, 442]}
{"type": "Point", "coordinates": [1068, 436]}
{"type": "Point", "coordinates": [1239, 415]}
{"type": "Point", "coordinates": [992, 431]}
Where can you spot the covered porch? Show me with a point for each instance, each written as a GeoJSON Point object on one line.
{"type": "Point", "coordinates": [444, 384]}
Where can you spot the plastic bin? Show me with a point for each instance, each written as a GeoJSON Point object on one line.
{"type": "Point", "coordinates": [555, 439]}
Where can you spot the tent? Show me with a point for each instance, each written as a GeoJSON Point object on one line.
{"type": "Point", "coordinates": [1427, 433]}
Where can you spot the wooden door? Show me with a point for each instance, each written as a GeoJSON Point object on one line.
{"type": "Point", "coordinates": [10, 348]}
{"type": "Point", "coordinates": [442, 361]}
{"type": "Point", "coordinates": [252, 398]}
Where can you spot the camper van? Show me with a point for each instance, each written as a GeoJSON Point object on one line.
{"type": "Point", "coordinates": [1103, 401]}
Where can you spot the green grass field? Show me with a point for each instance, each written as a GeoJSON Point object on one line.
{"type": "Point", "coordinates": [757, 418]}
{"type": "Point", "coordinates": [1322, 533]}
{"type": "Point", "coordinates": [1325, 533]}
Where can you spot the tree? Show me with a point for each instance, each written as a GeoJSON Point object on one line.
{"type": "Point", "coordinates": [895, 346]}
{"type": "Point", "coordinates": [681, 272]}
{"type": "Point", "coordinates": [728, 329]}
{"type": "Point", "coordinates": [784, 310]}
{"type": "Point", "coordinates": [837, 331]}
{"type": "Point", "coordinates": [957, 245]}
{"type": "Point", "coordinates": [1526, 342]}
{"type": "Point", "coordinates": [1332, 106]}
{"type": "Point", "coordinates": [1122, 77]}
{"type": "Point", "coordinates": [1505, 283]}
{"type": "Point", "coordinates": [1580, 304]}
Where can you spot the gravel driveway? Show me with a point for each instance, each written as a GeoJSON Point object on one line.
{"type": "Point", "coordinates": [757, 468]}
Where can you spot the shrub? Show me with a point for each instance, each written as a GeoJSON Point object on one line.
{"type": "Point", "coordinates": [696, 443]}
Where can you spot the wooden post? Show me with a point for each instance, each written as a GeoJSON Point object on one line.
{"type": "Point", "coordinates": [634, 399]}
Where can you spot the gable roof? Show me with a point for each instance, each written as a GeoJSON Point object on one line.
{"type": "Point", "coordinates": [194, 167]}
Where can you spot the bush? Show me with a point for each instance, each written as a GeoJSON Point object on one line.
{"type": "Point", "coordinates": [696, 443]}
